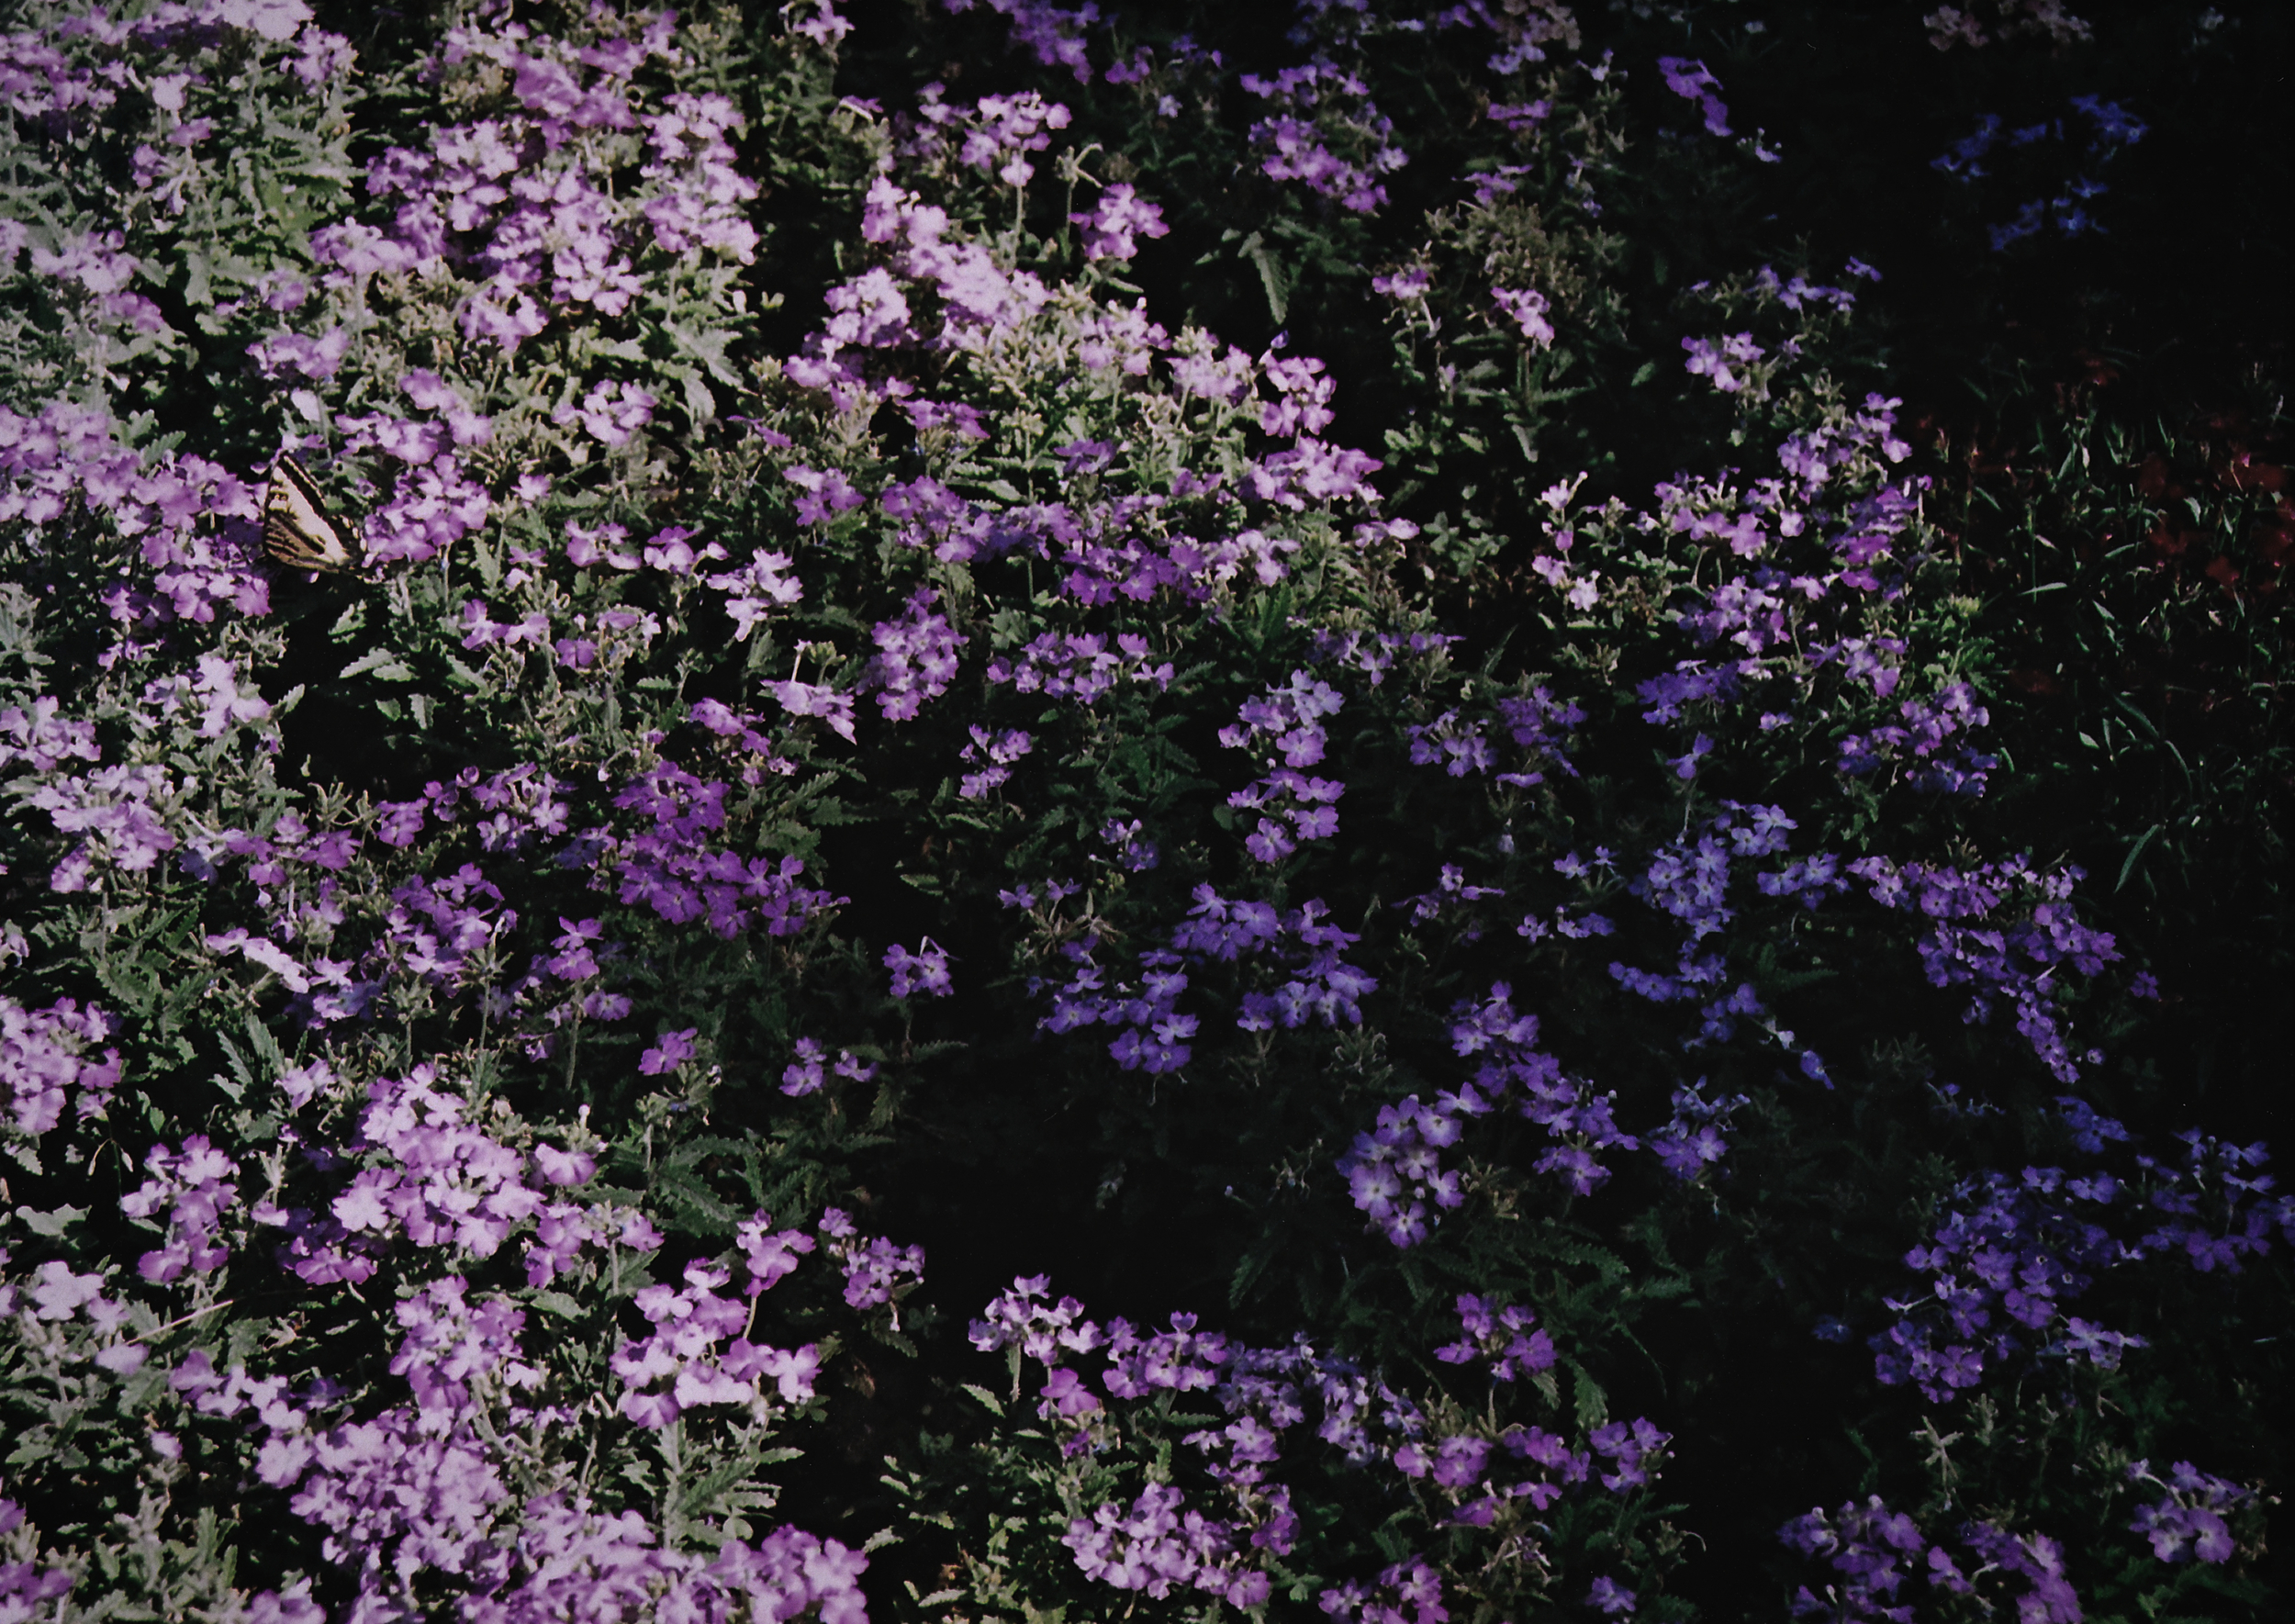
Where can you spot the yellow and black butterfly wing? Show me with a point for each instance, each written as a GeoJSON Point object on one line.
{"type": "Point", "coordinates": [297, 530]}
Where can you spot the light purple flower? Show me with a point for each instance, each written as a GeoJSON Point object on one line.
{"type": "Point", "coordinates": [1120, 217]}
{"type": "Point", "coordinates": [925, 971]}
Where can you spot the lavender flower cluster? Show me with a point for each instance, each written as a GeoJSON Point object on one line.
{"type": "Point", "coordinates": [1158, 1543]}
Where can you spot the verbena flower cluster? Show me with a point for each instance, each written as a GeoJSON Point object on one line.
{"type": "Point", "coordinates": [849, 726]}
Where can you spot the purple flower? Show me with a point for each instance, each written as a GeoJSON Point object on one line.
{"type": "Point", "coordinates": [875, 1269]}
{"type": "Point", "coordinates": [1121, 216]}
{"type": "Point", "coordinates": [1609, 1596]}
{"type": "Point", "coordinates": [1080, 667]}
{"type": "Point", "coordinates": [2187, 1524]}
{"type": "Point", "coordinates": [925, 971]}
{"type": "Point", "coordinates": [1409, 283]}
{"type": "Point", "coordinates": [1528, 308]}
{"type": "Point", "coordinates": [803, 1075]}
{"type": "Point", "coordinates": [803, 698]}
{"type": "Point", "coordinates": [675, 1049]}
{"type": "Point", "coordinates": [1685, 765]}
{"type": "Point", "coordinates": [1709, 359]}
{"type": "Point", "coordinates": [870, 311]}
{"type": "Point", "coordinates": [1000, 750]}
{"type": "Point", "coordinates": [825, 494]}
{"type": "Point", "coordinates": [1135, 854]}
{"type": "Point", "coordinates": [916, 657]}
{"type": "Point", "coordinates": [1690, 80]}
{"type": "Point", "coordinates": [611, 412]}
{"type": "Point", "coordinates": [1458, 1461]}
{"type": "Point", "coordinates": [1328, 135]}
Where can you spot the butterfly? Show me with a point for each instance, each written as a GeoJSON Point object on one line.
{"type": "Point", "coordinates": [297, 530]}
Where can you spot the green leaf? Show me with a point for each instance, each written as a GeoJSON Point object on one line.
{"type": "Point", "coordinates": [381, 662]}
{"type": "Point", "coordinates": [53, 1223]}
{"type": "Point", "coordinates": [1271, 279]}
{"type": "Point", "coordinates": [2135, 852]}
{"type": "Point", "coordinates": [1589, 1401]}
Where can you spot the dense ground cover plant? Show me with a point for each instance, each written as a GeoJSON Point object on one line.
{"type": "Point", "coordinates": [1209, 814]}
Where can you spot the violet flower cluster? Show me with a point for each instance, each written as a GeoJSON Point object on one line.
{"type": "Point", "coordinates": [1055, 35]}
{"type": "Point", "coordinates": [1318, 985]}
{"type": "Point", "coordinates": [2110, 128]}
{"type": "Point", "coordinates": [2006, 931]}
{"type": "Point", "coordinates": [49, 1062]}
{"type": "Point", "coordinates": [1158, 1543]}
{"type": "Point", "coordinates": [1929, 722]}
{"type": "Point", "coordinates": [432, 1488]}
{"type": "Point", "coordinates": [1459, 743]}
{"type": "Point", "coordinates": [1394, 1171]}
{"type": "Point", "coordinates": [1325, 133]}
{"type": "Point", "coordinates": [1880, 1553]}
{"type": "Point", "coordinates": [1080, 667]}
{"type": "Point", "coordinates": [681, 1364]}
{"type": "Point", "coordinates": [2187, 1523]}
{"type": "Point", "coordinates": [66, 462]}
{"type": "Point", "coordinates": [1114, 226]}
{"type": "Point", "coordinates": [1693, 81]}
{"type": "Point", "coordinates": [2008, 1255]}
{"type": "Point", "coordinates": [588, 198]}
{"type": "Point", "coordinates": [806, 1074]}
{"type": "Point", "coordinates": [875, 1270]}
{"type": "Point", "coordinates": [1283, 725]}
